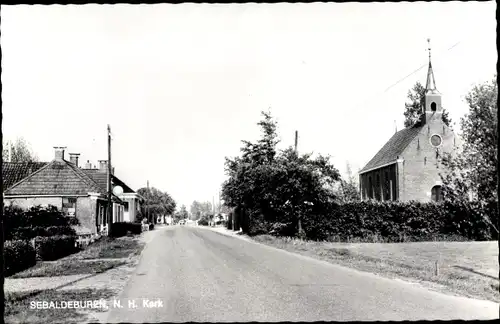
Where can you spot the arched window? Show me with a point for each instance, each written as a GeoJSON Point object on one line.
{"type": "Point", "coordinates": [370, 187]}
{"type": "Point", "coordinates": [377, 188]}
{"type": "Point", "coordinates": [387, 188]}
{"type": "Point", "coordinates": [433, 106]}
{"type": "Point", "coordinates": [436, 193]}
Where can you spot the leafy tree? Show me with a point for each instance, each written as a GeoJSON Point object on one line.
{"type": "Point", "coordinates": [349, 186]}
{"type": "Point", "coordinates": [277, 186]}
{"type": "Point", "coordinates": [199, 209]}
{"type": "Point", "coordinates": [414, 107]}
{"type": "Point", "coordinates": [156, 203]}
{"type": "Point", "coordinates": [20, 151]}
{"type": "Point", "coordinates": [473, 173]}
{"type": "Point", "coordinates": [183, 213]}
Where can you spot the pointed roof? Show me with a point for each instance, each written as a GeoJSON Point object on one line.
{"type": "Point", "coordinates": [430, 85]}
{"type": "Point", "coordinates": [13, 172]}
{"type": "Point", "coordinates": [101, 178]}
{"type": "Point", "coordinates": [59, 177]}
{"type": "Point", "coordinates": [390, 152]}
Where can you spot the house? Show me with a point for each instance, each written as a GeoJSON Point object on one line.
{"type": "Point", "coordinates": [63, 184]}
{"type": "Point", "coordinates": [131, 200]}
{"type": "Point", "coordinates": [408, 166]}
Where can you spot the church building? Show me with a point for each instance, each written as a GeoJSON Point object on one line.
{"type": "Point", "coordinates": [408, 166]}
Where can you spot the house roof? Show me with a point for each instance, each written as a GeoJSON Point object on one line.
{"type": "Point", "coordinates": [59, 177]}
{"type": "Point", "coordinates": [393, 148]}
{"type": "Point", "coordinates": [101, 178]}
{"type": "Point", "coordinates": [13, 172]}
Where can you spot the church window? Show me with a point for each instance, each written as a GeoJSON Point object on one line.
{"type": "Point", "coordinates": [433, 106]}
{"type": "Point", "coordinates": [370, 188]}
{"type": "Point", "coordinates": [387, 189]}
{"type": "Point", "coordinates": [377, 190]}
{"type": "Point", "coordinates": [436, 140]}
{"type": "Point", "coordinates": [436, 193]}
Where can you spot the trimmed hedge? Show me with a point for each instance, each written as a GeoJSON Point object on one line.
{"type": "Point", "coordinates": [387, 221]}
{"type": "Point", "coordinates": [36, 221]}
{"type": "Point", "coordinates": [27, 233]}
{"type": "Point", "coordinates": [18, 255]}
{"type": "Point", "coordinates": [122, 228]}
{"type": "Point", "coordinates": [54, 247]}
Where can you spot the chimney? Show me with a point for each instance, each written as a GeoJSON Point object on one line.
{"type": "Point", "coordinates": [88, 165]}
{"type": "Point", "coordinates": [59, 153]}
{"type": "Point", "coordinates": [103, 165]}
{"type": "Point", "coordinates": [112, 170]}
{"type": "Point", "coordinates": [73, 157]}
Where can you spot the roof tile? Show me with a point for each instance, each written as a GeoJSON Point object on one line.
{"type": "Point", "coordinates": [393, 148]}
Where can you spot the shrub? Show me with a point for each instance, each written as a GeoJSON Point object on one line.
{"type": "Point", "coordinates": [151, 226]}
{"type": "Point", "coordinates": [369, 221]}
{"type": "Point", "coordinates": [18, 255]}
{"type": "Point", "coordinates": [203, 221]}
{"type": "Point", "coordinates": [36, 221]}
{"type": "Point", "coordinates": [27, 233]}
{"type": "Point", "coordinates": [54, 247]}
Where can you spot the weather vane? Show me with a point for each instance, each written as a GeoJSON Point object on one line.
{"type": "Point", "coordinates": [429, 42]}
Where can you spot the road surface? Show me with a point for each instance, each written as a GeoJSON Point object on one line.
{"type": "Point", "coordinates": [196, 274]}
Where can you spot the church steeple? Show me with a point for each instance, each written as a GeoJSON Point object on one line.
{"type": "Point", "coordinates": [430, 86]}
{"type": "Point", "coordinates": [432, 108]}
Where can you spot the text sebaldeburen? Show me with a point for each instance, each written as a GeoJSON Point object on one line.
{"type": "Point", "coordinates": [96, 304]}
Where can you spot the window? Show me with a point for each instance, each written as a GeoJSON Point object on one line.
{"type": "Point", "coordinates": [370, 188]}
{"type": "Point", "coordinates": [436, 194]}
{"type": "Point", "coordinates": [387, 189]}
{"type": "Point", "coordinates": [69, 206]}
{"type": "Point", "coordinates": [436, 140]}
{"type": "Point", "coordinates": [378, 187]}
{"type": "Point", "coordinates": [125, 207]}
{"type": "Point", "coordinates": [433, 106]}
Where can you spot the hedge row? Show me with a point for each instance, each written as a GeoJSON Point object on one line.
{"type": "Point", "coordinates": [18, 255]}
{"type": "Point", "coordinates": [122, 228]}
{"type": "Point", "coordinates": [27, 233]}
{"type": "Point", "coordinates": [390, 221]}
{"type": "Point", "coordinates": [15, 217]}
{"type": "Point", "coordinates": [54, 247]}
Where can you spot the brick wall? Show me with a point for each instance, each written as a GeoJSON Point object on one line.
{"type": "Point", "coordinates": [86, 209]}
{"type": "Point", "coordinates": [421, 168]}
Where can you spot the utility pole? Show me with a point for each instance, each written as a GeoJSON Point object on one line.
{"type": "Point", "coordinates": [296, 141]}
{"type": "Point", "coordinates": [297, 153]}
{"type": "Point", "coordinates": [110, 189]}
{"type": "Point", "coordinates": [147, 203]}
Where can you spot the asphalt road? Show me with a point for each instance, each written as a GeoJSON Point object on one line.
{"type": "Point", "coordinates": [195, 274]}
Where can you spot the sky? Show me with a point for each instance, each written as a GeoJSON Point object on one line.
{"type": "Point", "coordinates": [182, 85]}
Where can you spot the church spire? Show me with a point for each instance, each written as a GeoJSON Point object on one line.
{"type": "Point", "coordinates": [430, 86]}
{"type": "Point", "coordinates": [432, 106]}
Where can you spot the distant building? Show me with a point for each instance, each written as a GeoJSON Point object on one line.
{"type": "Point", "coordinates": [407, 167]}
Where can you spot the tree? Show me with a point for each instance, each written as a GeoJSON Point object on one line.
{"type": "Point", "coordinates": [349, 186]}
{"type": "Point", "coordinates": [414, 107]}
{"type": "Point", "coordinates": [20, 151]}
{"type": "Point", "coordinates": [183, 213]}
{"type": "Point", "coordinates": [473, 173]}
{"type": "Point", "coordinates": [276, 186]}
{"type": "Point", "coordinates": [156, 203]}
{"type": "Point", "coordinates": [195, 210]}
